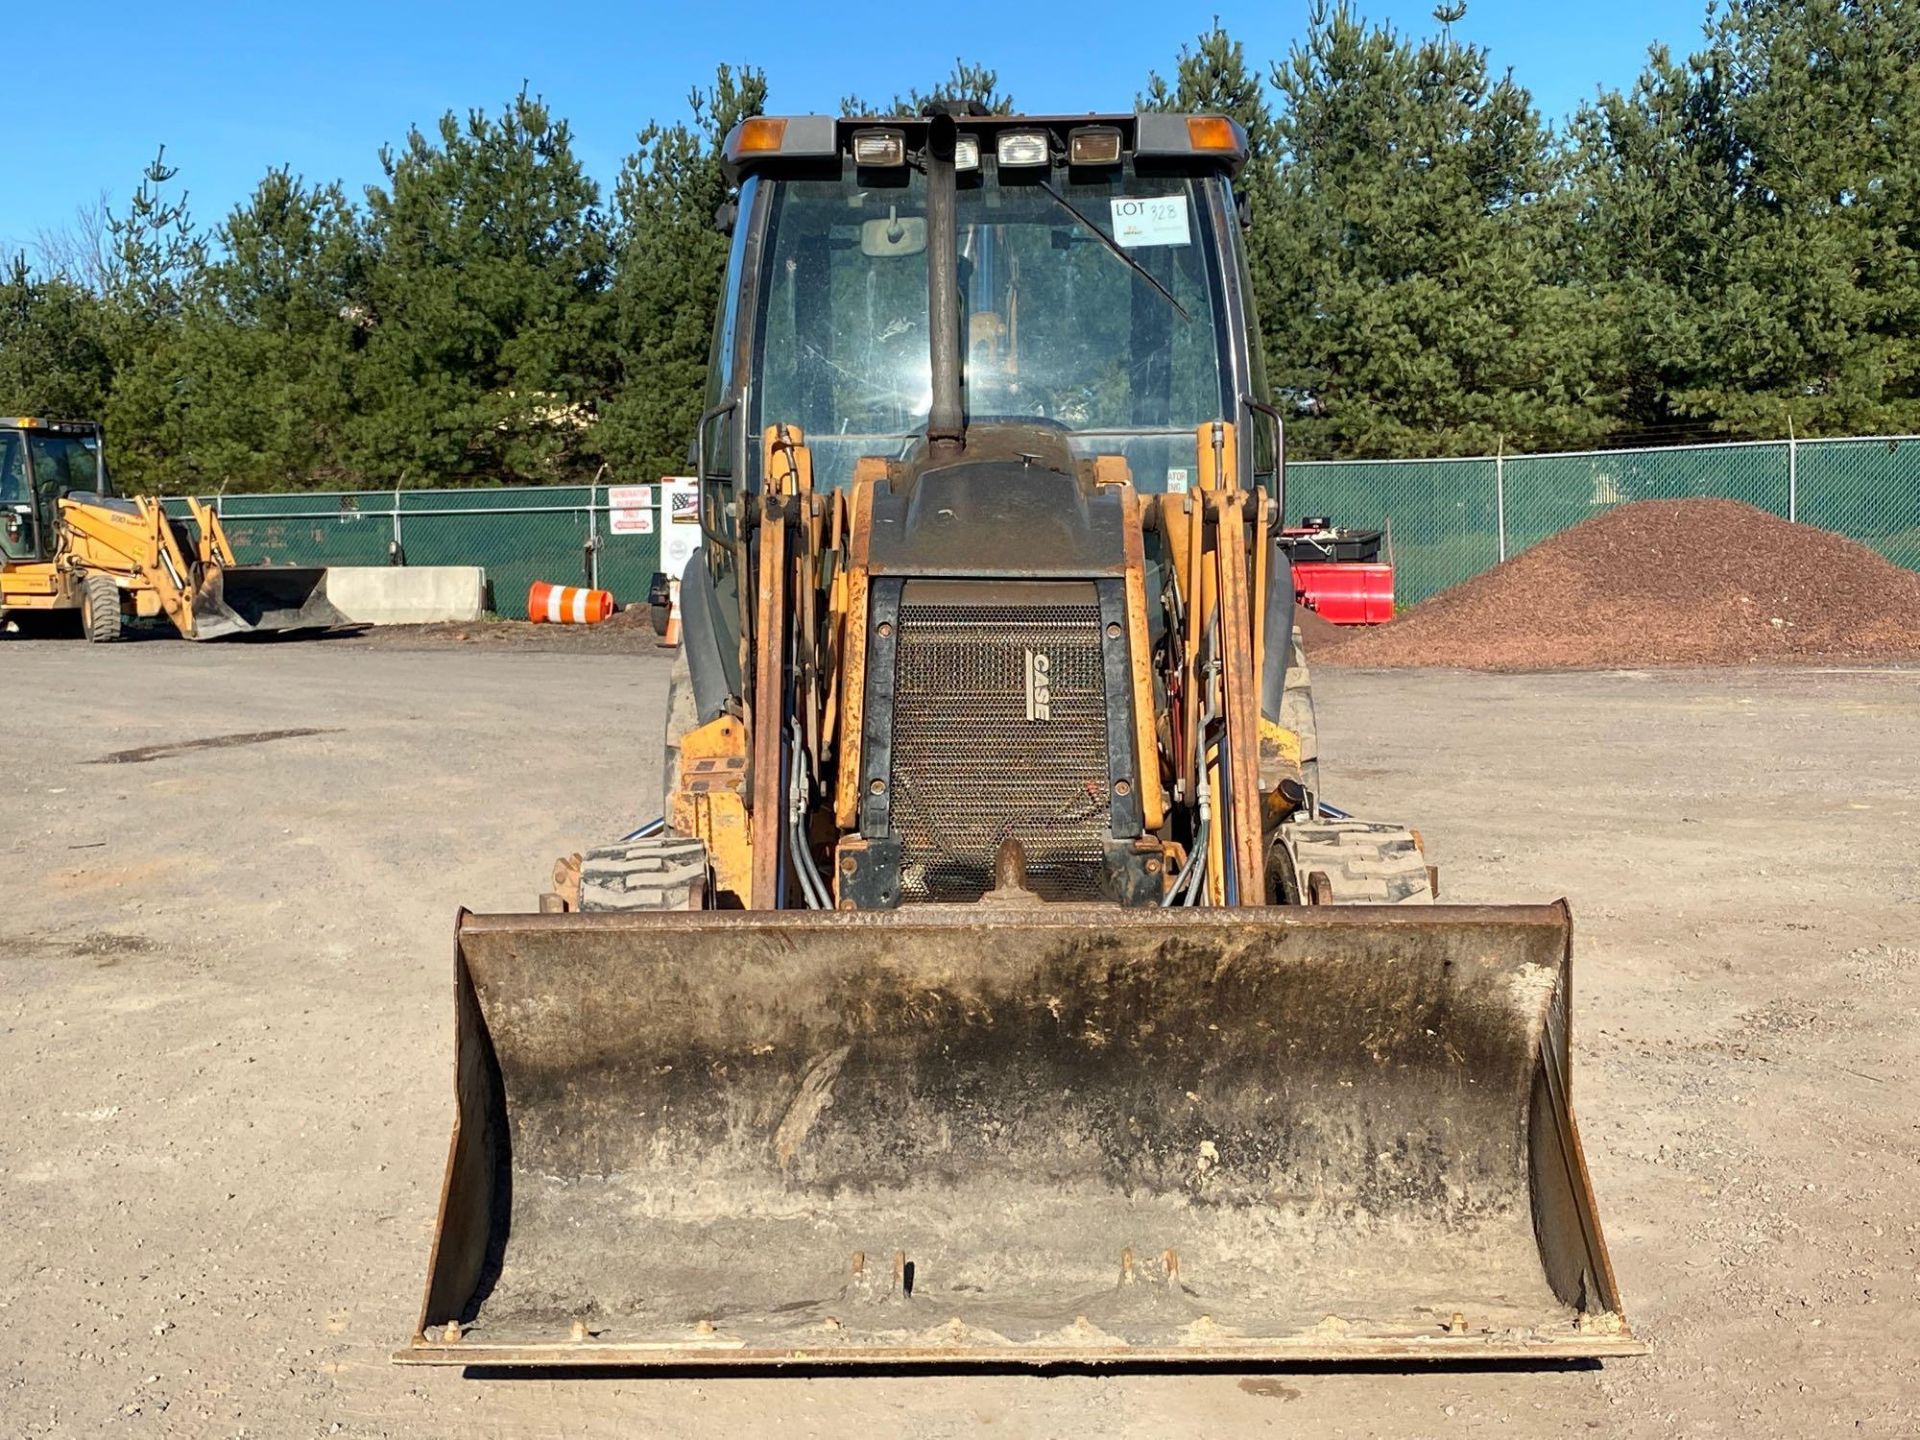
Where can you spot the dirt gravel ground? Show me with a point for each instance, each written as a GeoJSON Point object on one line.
{"type": "Point", "coordinates": [225, 1040]}
{"type": "Point", "coordinates": [628, 632]}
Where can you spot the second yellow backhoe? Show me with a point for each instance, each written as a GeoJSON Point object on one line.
{"type": "Point", "coordinates": [70, 548]}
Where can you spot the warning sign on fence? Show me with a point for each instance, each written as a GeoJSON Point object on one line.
{"type": "Point", "coordinates": [630, 509]}
{"type": "Point", "coordinates": [679, 523]}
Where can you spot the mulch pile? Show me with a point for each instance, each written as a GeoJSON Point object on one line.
{"type": "Point", "coordinates": [1658, 582]}
{"type": "Point", "coordinates": [1316, 634]}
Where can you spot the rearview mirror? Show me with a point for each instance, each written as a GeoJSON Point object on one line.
{"type": "Point", "coordinates": [895, 235]}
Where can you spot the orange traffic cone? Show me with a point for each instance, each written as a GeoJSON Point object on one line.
{"type": "Point", "coordinates": [567, 604]}
{"type": "Point", "coordinates": [663, 603]}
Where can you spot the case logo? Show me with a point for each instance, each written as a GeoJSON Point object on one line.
{"type": "Point", "coordinates": [1039, 686]}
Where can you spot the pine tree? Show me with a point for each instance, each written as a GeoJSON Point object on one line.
{"type": "Point", "coordinates": [158, 261]}
{"type": "Point", "coordinates": [1751, 218]}
{"type": "Point", "coordinates": [1417, 304]}
{"type": "Point", "coordinates": [53, 346]}
{"type": "Point", "coordinates": [670, 258]}
{"type": "Point", "coordinates": [967, 81]}
{"type": "Point", "coordinates": [267, 352]}
{"type": "Point", "coordinates": [1212, 77]}
{"type": "Point", "coordinates": [485, 320]}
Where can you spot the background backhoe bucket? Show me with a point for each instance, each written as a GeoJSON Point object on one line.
{"type": "Point", "coordinates": [252, 599]}
{"type": "Point", "coordinates": [1056, 1134]}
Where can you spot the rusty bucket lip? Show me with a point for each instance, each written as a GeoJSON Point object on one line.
{"type": "Point", "coordinates": [1274, 1353]}
{"type": "Point", "coordinates": [1556, 914]}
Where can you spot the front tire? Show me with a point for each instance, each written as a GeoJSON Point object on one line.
{"type": "Point", "coordinates": [100, 616]}
{"type": "Point", "coordinates": [1347, 862]}
{"type": "Point", "coordinates": [661, 872]}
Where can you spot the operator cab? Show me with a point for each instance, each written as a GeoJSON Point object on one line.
{"type": "Point", "coordinates": [41, 463]}
{"type": "Point", "coordinates": [1102, 297]}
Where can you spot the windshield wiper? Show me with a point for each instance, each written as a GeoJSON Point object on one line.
{"type": "Point", "coordinates": [1116, 247]}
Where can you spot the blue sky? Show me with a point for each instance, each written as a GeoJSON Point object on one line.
{"type": "Point", "coordinates": [232, 89]}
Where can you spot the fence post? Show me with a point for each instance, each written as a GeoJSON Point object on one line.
{"type": "Point", "coordinates": [397, 553]}
{"type": "Point", "coordinates": [1500, 493]}
{"type": "Point", "coordinates": [593, 536]}
{"type": "Point", "coordinates": [1793, 474]}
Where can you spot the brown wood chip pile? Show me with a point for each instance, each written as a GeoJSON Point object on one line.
{"type": "Point", "coordinates": [1659, 582]}
{"type": "Point", "coordinates": [1317, 634]}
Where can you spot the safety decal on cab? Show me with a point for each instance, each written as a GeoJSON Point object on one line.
{"type": "Point", "coordinates": [1157, 220]}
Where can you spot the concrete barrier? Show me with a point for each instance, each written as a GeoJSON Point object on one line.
{"type": "Point", "coordinates": [407, 594]}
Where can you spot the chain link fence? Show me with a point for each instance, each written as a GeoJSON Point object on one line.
{"type": "Point", "coordinates": [1447, 520]}
{"type": "Point", "coordinates": [558, 533]}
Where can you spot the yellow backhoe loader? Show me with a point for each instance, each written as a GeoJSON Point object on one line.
{"type": "Point", "coordinates": [70, 547]}
{"type": "Point", "coordinates": [997, 986]}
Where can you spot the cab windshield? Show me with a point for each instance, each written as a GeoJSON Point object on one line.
{"type": "Point", "coordinates": [36, 470]}
{"type": "Point", "coordinates": [66, 464]}
{"type": "Point", "coordinates": [1059, 327]}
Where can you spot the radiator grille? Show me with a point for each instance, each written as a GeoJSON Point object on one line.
{"type": "Point", "coordinates": [970, 768]}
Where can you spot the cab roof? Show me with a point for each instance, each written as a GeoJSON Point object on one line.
{"type": "Point", "coordinates": [771, 142]}
{"type": "Point", "coordinates": [53, 427]}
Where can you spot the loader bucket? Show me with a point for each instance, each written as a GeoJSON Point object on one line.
{"type": "Point", "coordinates": [1061, 1134]}
{"type": "Point", "coordinates": [255, 599]}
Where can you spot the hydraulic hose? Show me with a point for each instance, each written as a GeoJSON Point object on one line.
{"type": "Point", "coordinates": [812, 886]}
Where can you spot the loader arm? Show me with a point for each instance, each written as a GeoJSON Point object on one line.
{"type": "Point", "coordinates": [133, 541]}
{"type": "Point", "coordinates": [215, 548]}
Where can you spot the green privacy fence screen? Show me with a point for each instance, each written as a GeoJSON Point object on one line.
{"type": "Point", "coordinates": [558, 533]}
{"type": "Point", "coordinates": [1448, 519]}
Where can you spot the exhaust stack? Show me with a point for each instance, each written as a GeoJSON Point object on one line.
{"type": "Point", "coordinates": [946, 417]}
